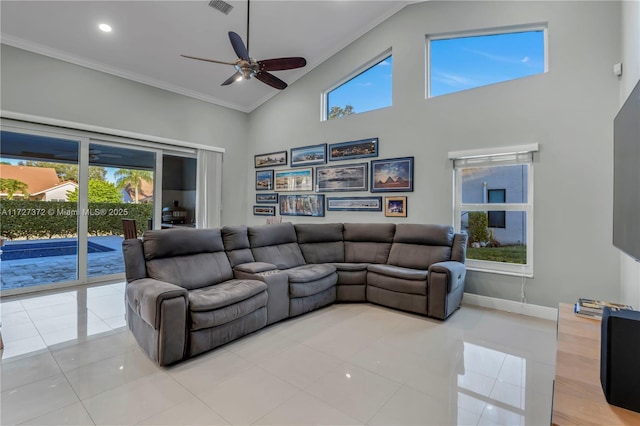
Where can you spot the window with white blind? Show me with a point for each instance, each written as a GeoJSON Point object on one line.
{"type": "Point", "coordinates": [494, 205]}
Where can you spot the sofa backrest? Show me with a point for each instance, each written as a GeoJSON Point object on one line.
{"type": "Point", "coordinates": [276, 244]}
{"type": "Point", "coordinates": [190, 258]}
{"type": "Point", "coordinates": [418, 246]}
{"type": "Point", "coordinates": [367, 242]}
{"type": "Point", "coordinates": [236, 244]}
{"type": "Point", "coordinates": [321, 242]}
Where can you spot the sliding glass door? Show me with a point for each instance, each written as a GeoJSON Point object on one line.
{"type": "Point", "coordinates": [121, 185]}
{"type": "Point", "coordinates": [39, 221]}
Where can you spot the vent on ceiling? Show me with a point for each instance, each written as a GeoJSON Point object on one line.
{"type": "Point", "coordinates": [220, 5]}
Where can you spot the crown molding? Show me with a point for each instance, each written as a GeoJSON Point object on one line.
{"type": "Point", "coordinates": [118, 72]}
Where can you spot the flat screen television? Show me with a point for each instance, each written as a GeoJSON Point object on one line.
{"type": "Point", "coordinates": [626, 176]}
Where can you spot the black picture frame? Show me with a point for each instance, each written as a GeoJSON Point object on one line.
{"type": "Point", "coordinates": [362, 148]}
{"type": "Point", "coordinates": [264, 210]}
{"type": "Point", "coordinates": [264, 180]}
{"type": "Point", "coordinates": [267, 198]}
{"type": "Point", "coordinates": [301, 205]}
{"type": "Point", "coordinates": [271, 159]}
{"type": "Point", "coordinates": [308, 155]}
{"type": "Point", "coordinates": [354, 204]}
{"type": "Point", "coordinates": [342, 177]}
{"type": "Point", "coordinates": [392, 175]}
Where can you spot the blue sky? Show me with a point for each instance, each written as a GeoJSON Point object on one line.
{"type": "Point", "coordinates": [456, 64]}
{"type": "Point", "coordinates": [109, 177]}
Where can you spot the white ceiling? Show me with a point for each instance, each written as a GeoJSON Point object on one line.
{"type": "Point", "coordinates": [149, 36]}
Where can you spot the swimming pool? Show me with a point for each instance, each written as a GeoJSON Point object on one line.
{"type": "Point", "coordinates": [47, 249]}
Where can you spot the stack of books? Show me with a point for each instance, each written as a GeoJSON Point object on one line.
{"type": "Point", "coordinates": [591, 308]}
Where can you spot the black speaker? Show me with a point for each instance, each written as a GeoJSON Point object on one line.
{"type": "Point", "coordinates": [620, 357]}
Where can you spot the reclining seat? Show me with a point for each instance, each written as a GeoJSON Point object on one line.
{"type": "Point", "coordinates": [364, 244]}
{"type": "Point", "coordinates": [425, 272]}
{"type": "Point", "coordinates": [311, 286]}
{"type": "Point", "coordinates": [181, 296]}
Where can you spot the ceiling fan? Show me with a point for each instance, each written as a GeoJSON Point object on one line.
{"type": "Point", "coordinates": [247, 67]}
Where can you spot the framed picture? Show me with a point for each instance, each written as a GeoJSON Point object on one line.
{"type": "Point", "coordinates": [271, 159]}
{"type": "Point", "coordinates": [264, 180]}
{"type": "Point", "coordinates": [294, 180]}
{"type": "Point", "coordinates": [270, 198]}
{"type": "Point", "coordinates": [345, 177]}
{"type": "Point", "coordinates": [302, 205]}
{"type": "Point", "coordinates": [395, 206]}
{"type": "Point", "coordinates": [354, 149]}
{"type": "Point", "coordinates": [308, 155]}
{"type": "Point", "coordinates": [264, 210]}
{"type": "Point", "coordinates": [359, 204]}
{"type": "Point", "coordinates": [392, 175]}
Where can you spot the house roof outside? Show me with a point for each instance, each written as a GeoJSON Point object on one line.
{"type": "Point", "coordinates": [61, 184]}
{"type": "Point", "coordinates": [38, 179]}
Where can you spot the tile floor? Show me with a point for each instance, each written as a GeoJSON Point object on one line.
{"type": "Point", "coordinates": [69, 359]}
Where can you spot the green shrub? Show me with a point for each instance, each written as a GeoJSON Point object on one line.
{"type": "Point", "coordinates": [478, 227]}
{"type": "Point", "coordinates": [48, 219]}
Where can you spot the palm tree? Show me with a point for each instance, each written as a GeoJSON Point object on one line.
{"type": "Point", "coordinates": [11, 186]}
{"type": "Point", "coordinates": [132, 179]}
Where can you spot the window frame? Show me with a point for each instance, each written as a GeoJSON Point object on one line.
{"type": "Point", "coordinates": [324, 101]}
{"type": "Point", "coordinates": [539, 26]}
{"type": "Point", "coordinates": [496, 157]}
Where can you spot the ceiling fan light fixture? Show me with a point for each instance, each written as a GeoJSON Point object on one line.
{"type": "Point", "coordinates": [106, 28]}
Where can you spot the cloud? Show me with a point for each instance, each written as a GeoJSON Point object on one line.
{"type": "Point", "coordinates": [525, 59]}
{"type": "Point", "coordinates": [385, 63]}
{"type": "Point", "coordinates": [365, 84]}
{"type": "Point", "coordinates": [497, 58]}
{"type": "Point", "coordinates": [453, 80]}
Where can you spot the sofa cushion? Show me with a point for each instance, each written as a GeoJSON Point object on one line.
{"type": "Point", "coordinates": [395, 284]}
{"type": "Point", "coordinates": [192, 271]}
{"type": "Point", "coordinates": [284, 256]}
{"type": "Point", "coordinates": [225, 294]}
{"type": "Point", "coordinates": [367, 242]}
{"type": "Point", "coordinates": [426, 235]}
{"type": "Point", "coordinates": [230, 303]}
{"type": "Point", "coordinates": [309, 273]}
{"type": "Point", "coordinates": [312, 288]}
{"type": "Point", "coordinates": [321, 242]}
{"type": "Point", "coordinates": [417, 256]}
{"type": "Point", "coordinates": [236, 244]}
{"type": "Point", "coordinates": [181, 242]}
{"type": "Point", "coordinates": [272, 235]}
{"type": "Point", "coordinates": [255, 267]}
{"type": "Point", "coordinates": [351, 266]}
{"type": "Point", "coordinates": [399, 272]}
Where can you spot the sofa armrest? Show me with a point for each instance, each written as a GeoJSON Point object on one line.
{"type": "Point", "coordinates": [455, 272]}
{"type": "Point", "coordinates": [445, 287]}
{"type": "Point", "coordinates": [255, 267]}
{"type": "Point", "coordinates": [145, 297]}
{"type": "Point", "coordinates": [157, 314]}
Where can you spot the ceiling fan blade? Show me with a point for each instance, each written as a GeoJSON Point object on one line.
{"type": "Point", "coordinates": [231, 79]}
{"type": "Point", "coordinates": [279, 64]}
{"type": "Point", "coordinates": [271, 80]}
{"type": "Point", "coordinates": [238, 46]}
{"type": "Point", "coordinates": [208, 60]}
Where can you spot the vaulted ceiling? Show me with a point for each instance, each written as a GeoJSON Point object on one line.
{"type": "Point", "coordinates": [148, 37]}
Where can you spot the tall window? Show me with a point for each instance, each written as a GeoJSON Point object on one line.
{"type": "Point", "coordinates": [465, 61]}
{"type": "Point", "coordinates": [494, 205]}
{"type": "Point", "coordinates": [366, 89]}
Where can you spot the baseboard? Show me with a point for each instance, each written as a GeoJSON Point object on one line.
{"type": "Point", "coordinates": [537, 311]}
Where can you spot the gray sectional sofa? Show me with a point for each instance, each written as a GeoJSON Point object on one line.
{"type": "Point", "coordinates": [191, 290]}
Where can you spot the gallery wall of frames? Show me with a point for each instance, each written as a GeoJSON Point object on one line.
{"type": "Point", "coordinates": [300, 181]}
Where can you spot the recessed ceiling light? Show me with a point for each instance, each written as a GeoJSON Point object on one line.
{"type": "Point", "coordinates": [105, 27]}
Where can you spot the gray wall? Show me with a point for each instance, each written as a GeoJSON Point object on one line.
{"type": "Point", "coordinates": [38, 85]}
{"type": "Point", "coordinates": [630, 269]}
{"type": "Point", "coordinates": [568, 110]}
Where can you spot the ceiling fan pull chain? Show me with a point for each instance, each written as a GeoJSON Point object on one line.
{"type": "Point", "coordinates": [248, 10]}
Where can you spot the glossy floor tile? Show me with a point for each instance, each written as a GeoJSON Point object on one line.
{"type": "Point", "coordinates": [69, 359]}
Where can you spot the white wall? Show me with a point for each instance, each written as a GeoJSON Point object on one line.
{"type": "Point", "coordinates": [630, 269]}
{"type": "Point", "coordinates": [569, 111]}
{"type": "Point", "coordinates": [38, 85]}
